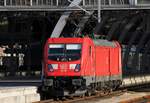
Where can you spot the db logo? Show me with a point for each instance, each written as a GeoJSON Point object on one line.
{"type": "Point", "coordinates": [63, 66]}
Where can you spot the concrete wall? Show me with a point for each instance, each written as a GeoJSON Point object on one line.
{"type": "Point", "coordinates": [19, 95]}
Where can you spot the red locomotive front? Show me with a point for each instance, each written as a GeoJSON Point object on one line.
{"type": "Point", "coordinates": [63, 59]}
{"type": "Point", "coordinates": [66, 57]}
{"type": "Point", "coordinates": [67, 63]}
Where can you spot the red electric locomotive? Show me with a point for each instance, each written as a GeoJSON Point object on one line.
{"type": "Point", "coordinates": [81, 65]}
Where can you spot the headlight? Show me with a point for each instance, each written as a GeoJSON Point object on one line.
{"type": "Point", "coordinates": [77, 68]}
{"type": "Point", "coordinates": [54, 66]}
{"type": "Point", "coordinates": [72, 66]}
{"type": "Point", "coordinates": [50, 68]}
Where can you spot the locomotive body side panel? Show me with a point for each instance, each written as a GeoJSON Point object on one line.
{"type": "Point", "coordinates": [108, 60]}
{"type": "Point", "coordinates": [114, 63]}
{"type": "Point", "coordinates": [102, 61]}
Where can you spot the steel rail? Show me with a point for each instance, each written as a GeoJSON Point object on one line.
{"type": "Point", "coordinates": [143, 99]}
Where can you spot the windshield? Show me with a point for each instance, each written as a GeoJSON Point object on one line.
{"type": "Point", "coordinates": [64, 52]}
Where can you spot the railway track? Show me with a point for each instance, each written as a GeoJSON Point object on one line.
{"type": "Point", "coordinates": [101, 95]}
{"type": "Point", "coordinates": [143, 99]}
{"type": "Point", "coordinates": [83, 98]}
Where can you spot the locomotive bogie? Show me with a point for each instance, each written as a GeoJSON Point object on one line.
{"type": "Point", "coordinates": [75, 87]}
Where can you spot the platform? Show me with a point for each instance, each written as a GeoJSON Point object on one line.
{"type": "Point", "coordinates": [18, 94]}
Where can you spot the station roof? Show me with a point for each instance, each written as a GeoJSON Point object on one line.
{"type": "Point", "coordinates": [62, 5]}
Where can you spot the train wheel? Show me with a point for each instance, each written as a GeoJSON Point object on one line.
{"type": "Point", "coordinates": [110, 91]}
{"type": "Point", "coordinates": [83, 95]}
{"type": "Point", "coordinates": [88, 93]}
{"type": "Point", "coordinates": [56, 98]}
